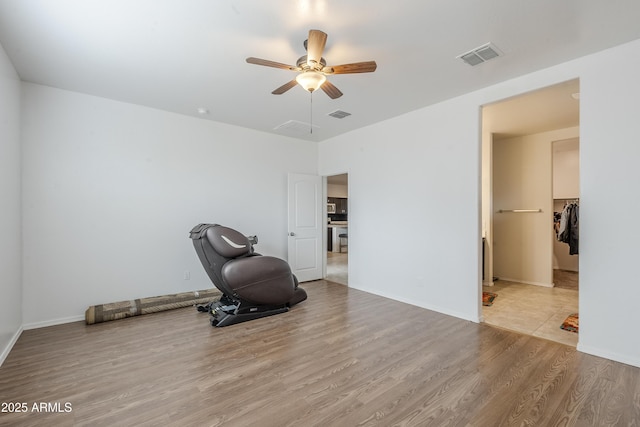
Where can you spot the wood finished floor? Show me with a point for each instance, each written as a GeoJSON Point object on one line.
{"type": "Point", "coordinates": [341, 358]}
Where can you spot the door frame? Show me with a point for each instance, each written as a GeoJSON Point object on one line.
{"type": "Point", "coordinates": [486, 212]}
{"type": "Point", "coordinates": [325, 195]}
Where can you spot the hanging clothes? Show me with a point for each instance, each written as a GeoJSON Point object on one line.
{"type": "Point", "coordinates": [562, 224]}
{"type": "Point", "coordinates": [573, 226]}
{"type": "Point", "coordinates": [556, 223]}
{"type": "Point", "coordinates": [568, 227]}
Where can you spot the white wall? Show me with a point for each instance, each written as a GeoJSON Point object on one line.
{"type": "Point", "coordinates": [10, 214]}
{"type": "Point", "coordinates": [413, 207]}
{"type": "Point", "coordinates": [566, 169]}
{"type": "Point", "coordinates": [609, 175]}
{"type": "Point", "coordinates": [428, 161]}
{"type": "Point", "coordinates": [111, 191]}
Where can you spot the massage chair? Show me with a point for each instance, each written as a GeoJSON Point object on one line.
{"type": "Point", "coordinates": [252, 285]}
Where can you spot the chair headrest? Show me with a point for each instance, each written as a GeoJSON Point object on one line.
{"type": "Point", "coordinates": [228, 242]}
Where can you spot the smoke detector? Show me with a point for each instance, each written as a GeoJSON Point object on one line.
{"type": "Point", "coordinates": [480, 54]}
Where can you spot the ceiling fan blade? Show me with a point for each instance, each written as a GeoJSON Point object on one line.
{"type": "Point", "coordinates": [331, 90]}
{"type": "Point", "coordinates": [267, 63]}
{"type": "Point", "coordinates": [285, 87]}
{"type": "Point", "coordinates": [315, 46]}
{"type": "Point", "coordinates": [357, 67]}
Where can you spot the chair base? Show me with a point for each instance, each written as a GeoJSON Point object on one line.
{"type": "Point", "coordinates": [226, 312]}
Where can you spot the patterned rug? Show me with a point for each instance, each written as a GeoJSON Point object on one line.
{"type": "Point", "coordinates": [120, 310]}
{"type": "Point", "coordinates": [487, 298]}
{"type": "Point", "coordinates": [571, 323]}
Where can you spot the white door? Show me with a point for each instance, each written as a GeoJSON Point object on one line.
{"type": "Point", "coordinates": [305, 226]}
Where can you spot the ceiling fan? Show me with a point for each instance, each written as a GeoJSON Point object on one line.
{"type": "Point", "coordinates": [313, 69]}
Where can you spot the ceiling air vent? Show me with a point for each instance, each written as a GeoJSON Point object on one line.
{"type": "Point", "coordinates": [294, 126]}
{"type": "Point", "coordinates": [480, 54]}
{"type": "Point", "coordinates": [339, 114]}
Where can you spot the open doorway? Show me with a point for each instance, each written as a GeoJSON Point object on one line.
{"type": "Point", "coordinates": [566, 202]}
{"type": "Point", "coordinates": [338, 229]}
{"type": "Point", "coordinates": [518, 211]}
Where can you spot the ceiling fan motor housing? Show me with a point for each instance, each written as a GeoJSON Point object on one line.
{"type": "Point", "coordinates": [302, 63]}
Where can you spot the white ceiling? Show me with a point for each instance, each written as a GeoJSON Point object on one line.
{"type": "Point", "coordinates": [180, 55]}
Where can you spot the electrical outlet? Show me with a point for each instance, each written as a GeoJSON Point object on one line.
{"type": "Point", "coordinates": [187, 275]}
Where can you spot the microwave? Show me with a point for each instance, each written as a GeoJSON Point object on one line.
{"type": "Point", "coordinates": [331, 208]}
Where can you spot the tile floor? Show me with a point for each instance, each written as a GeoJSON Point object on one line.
{"type": "Point", "coordinates": [566, 279]}
{"type": "Point", "coordinates": [532, 310]}
{"type": "Point", "coordinates": [337, 270]}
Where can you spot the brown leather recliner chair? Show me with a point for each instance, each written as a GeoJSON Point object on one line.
{"type": "Point", "coordinates": [252, 285]}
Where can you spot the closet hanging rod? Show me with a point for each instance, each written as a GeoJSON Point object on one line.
{"type": "Point", "coordinates": [520, 210]}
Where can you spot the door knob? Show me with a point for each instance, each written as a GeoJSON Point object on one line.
{"type": "Point", "coordinates": [292, 234]}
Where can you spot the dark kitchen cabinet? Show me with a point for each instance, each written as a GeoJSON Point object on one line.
{"type": "Point", "coordinates": [341, 205]}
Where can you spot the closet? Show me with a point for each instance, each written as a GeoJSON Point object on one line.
{"type": "Point", "coordinates": [566, 199]}
{"type": "Point", "coordinates": [518, 136]}
{"type": "Point", "coordinates": [522, 209]}
{"type": "Point", "coordinates": [534, 177]}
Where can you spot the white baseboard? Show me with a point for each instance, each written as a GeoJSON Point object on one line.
{"type": "Point", "coordinates": [632, 361]}
{"type": "Point", "coordinates": [546, 285]}
{"type": "Point", "coordinates": [10, 345]}
{"type": "Point", "coordinates": [421, 304]}
{"type": "Point", "coordinates": [36, 325]}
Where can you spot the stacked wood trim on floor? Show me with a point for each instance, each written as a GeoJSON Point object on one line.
{"type": "Point", "coordinates": [341, 358]}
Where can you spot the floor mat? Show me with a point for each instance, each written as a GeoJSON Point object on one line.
{"type": "Point", "coordinates": [487, 298]}
{"type": "Point", "coordinates": [571, 323]}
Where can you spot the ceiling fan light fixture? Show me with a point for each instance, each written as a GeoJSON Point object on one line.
{"type": "Point", "coordinates": [311, 80]}
{"type": "Point", "coordinates": [313, 69]}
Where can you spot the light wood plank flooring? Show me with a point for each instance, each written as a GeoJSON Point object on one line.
{"type": "Point", "coordinates": [341, 358]}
